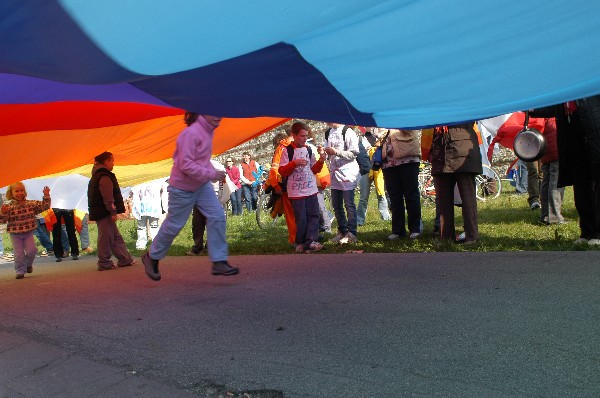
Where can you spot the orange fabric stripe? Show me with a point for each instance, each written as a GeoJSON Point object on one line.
{"type": "Point", "coordinates": [54, 151]}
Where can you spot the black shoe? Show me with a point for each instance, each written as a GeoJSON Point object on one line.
{"type": "Point", "coordinates": [75, 257]}
{"type": "Point", "coordinates": [29, 270]}
{"type": "Point", "coordinates": [151, 267]}
{"type": "Point", "coordinates": [223, 268]}
{"type": "Point", "coordinates": [58, 259]}
{"type": "Point", "coordinates": [20, 276]}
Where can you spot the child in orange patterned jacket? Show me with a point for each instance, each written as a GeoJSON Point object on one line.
{"type": "Point", "coordinates": [20, 214]}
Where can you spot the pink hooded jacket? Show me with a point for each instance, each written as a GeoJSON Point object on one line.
{"type": "Point", "coordinates": [191, 160]}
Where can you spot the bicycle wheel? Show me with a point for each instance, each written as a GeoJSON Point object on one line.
{"type": "Point", "coordinates": [263, 214]}
{"type": "Point", "coordinates": [426, 187]}
{"type": "Point", "coordinates": [488, 185]}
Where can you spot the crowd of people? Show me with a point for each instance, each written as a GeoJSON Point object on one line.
{"type": "Point", "coordinates": [301, 169]}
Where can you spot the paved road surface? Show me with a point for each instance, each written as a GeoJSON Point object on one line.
{"type": "Point", "coordinates": [352, 325]}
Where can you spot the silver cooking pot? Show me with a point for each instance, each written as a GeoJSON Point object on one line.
{"type": "Point", "coordinates": [529, 144]}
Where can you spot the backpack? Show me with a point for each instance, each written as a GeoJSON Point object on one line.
{"type": "Point", "coordinates": [290, 151]}
{"type": "Point", "coordinates": [363, 159]}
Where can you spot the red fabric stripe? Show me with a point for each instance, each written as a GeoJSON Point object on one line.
{"type": "Point", "coordinates": [76, 115]}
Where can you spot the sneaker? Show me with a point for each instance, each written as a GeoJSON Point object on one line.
{"type": "Point", "coordinates": [299, 248]}
{"type": "Point", "coordinates": [580, 241]}
{"type": "Point", "coordinates": [9, 256]}
{"type": "Point", "coordinates": [349, 238]}
{"type": "Point", "coordinates": [50, 252]}
{"type": "Point", "coordinates": [76, 257]}
{"type": "Point", "coordinates": [66, 254]}
{"type": "Point", "coordinates": [461, 238]}
{"type": "Point", "coordinates": [20, 276]}
{"type": "Point", "coordinates": [44, 253]}
{"type": "Point", "coordinates": [151, 267]}
{"type": "Point", "coordinates": [29, 270]}
{"type": "Point", "coordinates": [594, 242]}
{"type": "Point", "coordinates": [314, 247]}
{"type": "Point", "coordinates": [337, 238]}
{"type": "Point", "coordinates": [223, 268]}
{"type": "Point", "coordinates": [415, 235]}
{"type": "Point", "coordinates": [394, 237]}
{"type": "Point", "coordinates": [58, 259]}
{"type": "Point", "coordinates": [88, 249]}
{"type": "Point", "coordinates": [535, 205]}
{"type": "Point", "coordinates": [194, 253]}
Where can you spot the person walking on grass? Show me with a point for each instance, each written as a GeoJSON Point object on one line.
{"type": "Point", "coordinates": [191, 185]}
{"type": "Point", "coordinates": [300, 169]}
{"type": "Point", "coordinates": [105, 202]}
{"type": "Point", "coordinates": [20, 217]}
{"type": "Point", "coordinates": [341, 146]}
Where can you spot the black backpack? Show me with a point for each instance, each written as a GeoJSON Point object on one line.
{"type": "Point", "coordinates": [290, 151]}
{"type": "Point", "coordinates": [363, 159]}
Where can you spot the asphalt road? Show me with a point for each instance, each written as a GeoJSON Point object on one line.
{"type": "Point", "coordinates": [309, 325]}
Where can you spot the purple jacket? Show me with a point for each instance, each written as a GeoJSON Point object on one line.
{"type": "Point", "coordinates": [191, 160]}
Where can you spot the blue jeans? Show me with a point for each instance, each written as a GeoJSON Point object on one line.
{"type": "Point", "coordinates": [236, 202]}
{"type": "Point", "coordinates": [41, 233]}
{"type": "Point", "coordinates": [181, 204]}
{"type": "Point", "coordinates": [325, 215]}
{"type": "Point", "coordinates": [251, 196]}
{"type": "Point", "coordinates": [340, 200]}
{"type": "Point", "coordinates": [363, 201]}
{"type": "Point", "coordinates": [84, 235]}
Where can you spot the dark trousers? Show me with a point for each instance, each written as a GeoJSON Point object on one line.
{"type": "Point", "coordinates": [533, 182]}
{"type": "Point", "coordinates": [444, 189]}
{"type": "Point", "coordinates": [198, 228]}
{"type": "Point", "coordinates": [402, 185]}
{"type": "Point", "coordinates": [587, 202]}
{"type": "Point", "coordinates": [69, 217]}
{"type": "Point", "coordinates": [110, 241]}
{"type": "Point", "coordinates": [306, 214]}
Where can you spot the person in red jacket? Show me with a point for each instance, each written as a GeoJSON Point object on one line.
{"type": "Point", "coordinates": [551, 195]}
{"type": "Point", "coordinates": [236, 196]}
{"type": "Point", "coordinates": [249, 183]}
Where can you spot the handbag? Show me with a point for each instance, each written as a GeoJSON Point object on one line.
{"type": "Point", "coordinates": [377, 158]}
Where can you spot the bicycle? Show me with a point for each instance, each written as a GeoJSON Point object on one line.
{"type": "Point", "coordinates": [488, 185]}
{"type": "Point", "coordinates": [426, 187]}
{"type": "Point", "coordinates": [265, 219]}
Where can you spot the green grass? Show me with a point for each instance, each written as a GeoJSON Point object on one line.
{"type": "Point", "coordinates": [505, 224]}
